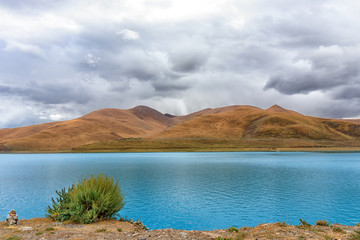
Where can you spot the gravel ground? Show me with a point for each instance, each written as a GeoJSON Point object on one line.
{"type": "Point", "coordinates": [44, 228]}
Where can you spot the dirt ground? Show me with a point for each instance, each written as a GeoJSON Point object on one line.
{"type": "Point", "coordinates": [45, 228]}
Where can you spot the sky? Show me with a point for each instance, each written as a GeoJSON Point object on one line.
{"type": "Point", "coordinates": [60, 59]}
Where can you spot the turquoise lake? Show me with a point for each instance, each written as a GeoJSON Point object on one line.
{"type": "Point", "coordinates": [200, 191]}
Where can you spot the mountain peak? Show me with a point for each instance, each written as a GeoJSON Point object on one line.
{"type": "Point", "coordinates": [277, 108]}
{"type": "Point", "coordinates": [144, 112]}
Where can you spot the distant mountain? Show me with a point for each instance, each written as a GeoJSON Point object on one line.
{"type": "Point", "coordinates": [231, 122]}
{"type": "Point", "coordinates": [273, 123]}
{"type": "Point", "coordinates": [100, 125]}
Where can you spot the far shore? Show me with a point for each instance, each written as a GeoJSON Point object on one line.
{"type": "Point", "coordinates": [45, 228]}
{"type": "Point", "coordinates": [200, 145]}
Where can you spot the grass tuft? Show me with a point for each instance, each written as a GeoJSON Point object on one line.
{"type": "Point", "coordinates": [233, 229]}
{"type": "Point", "coordinates": [323, 223]}
{"type": "Point", "coordinates": [14, 238]}
{"type": "Point", "coordinates": [304, 223]}
{"type": "Point", "coordinates": [338, 229]}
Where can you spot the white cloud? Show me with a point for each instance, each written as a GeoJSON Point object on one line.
{"type": "Point", "coordinates": [92, 60]}
{"type": "Point", "coordinates": [128, 34]}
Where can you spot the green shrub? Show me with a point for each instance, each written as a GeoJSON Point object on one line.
{"type": "Point", "coordinates": [338, 229]}
{"type": "Point", "coordinates": [49, 229]}
{"type": "Point", "coordinates": [233, 229]}
{"type": "Point", "coordinates": [60, 206]}
{"type": "Point", "coordinates": [92, 198]}
{"type": "Point", "coordinates": [119, 230]}
{"type": "Point", "coordinates": [39, 233]}
{"type": "Point", "coordinates": [304, 223]}
{"type": "Point", "coordinates": [323, 223]}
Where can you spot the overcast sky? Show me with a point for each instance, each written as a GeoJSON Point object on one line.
{"type": "Point", "coordinates": [60, 59]}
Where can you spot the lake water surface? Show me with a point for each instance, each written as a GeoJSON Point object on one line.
{"type": "Point", "coordinates": [196, 190]}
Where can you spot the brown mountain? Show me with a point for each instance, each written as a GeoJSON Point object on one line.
{"type": "Point", "coordinates": [232, 122]}
{"type": "Point", "coordinates": [97, 126]}
{"type": "Point", "coordinates": [251, 122]}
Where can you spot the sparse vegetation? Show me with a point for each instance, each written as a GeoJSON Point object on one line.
{"type": "Point", "coordinates": [137, 222]}
{"type": "Point", "coordinates": [49, 229]}
{"type": "Point", "coordinates": [323, 223]}
{"type": "Point", "coordinates": [338, 229]}
{"type": "Point", "coordinates": [119, 230]}
{"type": "Point", "coordinates": [39, 233]}
{"type": "Point", "coordinates": [304, 223]}
{"type": "Point", "coordinates": [282, 224]}
{"type": "Point", "coordinates": [14, 238]}
{"type": "Point", "coordinates": [100, 230]}
{"type": "Point", "coordinates": [355, 236]}
{"type": "Point", "coordinates": [233, 229]}
{"type": "Point", "coordinates": [327, 237]}
{"type": "Point", "coordinates": [92, 198]}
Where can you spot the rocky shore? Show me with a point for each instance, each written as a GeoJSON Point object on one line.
{"type": "Point", "coordinates": [44, 228]}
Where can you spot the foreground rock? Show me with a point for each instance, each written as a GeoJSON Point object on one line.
{"type": "Point", "coordinates": [12, 219]}
{"type": "Point", "coordinates": [43, 228]}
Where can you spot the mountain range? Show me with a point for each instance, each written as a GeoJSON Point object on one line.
{"type": "Point", "coordinates": [114, 127]}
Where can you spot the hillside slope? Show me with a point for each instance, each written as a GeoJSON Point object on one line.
{"type": "Point", "coordinates": [251, 122]}
{"type": "Point", "coordinates": [232, 122]}
{"type": "Point", "coordinates": [97, 126]}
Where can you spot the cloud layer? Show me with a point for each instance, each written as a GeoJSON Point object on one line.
{"type": "Point", "coordinates": [62, 59]}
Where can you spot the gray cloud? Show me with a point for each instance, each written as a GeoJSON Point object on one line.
{"type": "Point", "coordinates": [61, 59]}
{"type": "Point", "coordinates": [325, 69]}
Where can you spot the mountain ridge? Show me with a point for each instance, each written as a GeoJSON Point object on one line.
{"type": "Point", "coordinates": [230, 122]}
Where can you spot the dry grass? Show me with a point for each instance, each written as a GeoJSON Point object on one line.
{"type": "Point", "coordinates": [233, 128]}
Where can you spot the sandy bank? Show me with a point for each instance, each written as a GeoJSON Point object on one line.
{"type": "Point", "coordinates": [43, 228]}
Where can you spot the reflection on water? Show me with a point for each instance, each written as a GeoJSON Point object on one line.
{"type": "Point", "coordinates": [196, 190]}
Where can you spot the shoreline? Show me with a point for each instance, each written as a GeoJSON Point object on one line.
{"type": "Point", "coordinates": [45, 228]}
{"type": "Point", "coordinates": [324, 150]}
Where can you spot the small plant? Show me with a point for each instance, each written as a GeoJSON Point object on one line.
{"type": "Point", "coordinates": [49, 229]}
{"type": "Point", "coordinates": [241, 236]}
{"type": "Point", "coordinates": [92, 198]}
{"type": "Point", "coordinates": [355, 236]}
{"type": "Point", "coordinates": [301, 237]}
{"type": "Point", "coordinates": [100, 230]}
{"type": "Point", "coordinates": [137, 222]}
{"type": "Point", "coordinates": [358, 224]}
{"type": "Point", "coordinates": [233, 229]}
{"type": "Point", "coordinates": [327, 237]}
{"type": "Point", "coordinates": [221, 238]}
{"type": "Point", "coordinates": [39, 233]}
{"type": "Point", "coordinates": [281, 224]}
{"type": "Point", "coordinates": [14, 238]}
{"type": "Point", "coordinates": [304, 223]}
{"type": "Point", "coordinates": [323, 223]}
{"type": "Point", "coordinates": [338, 229]}
{"type": "Point", "coordinates": [119, 230]}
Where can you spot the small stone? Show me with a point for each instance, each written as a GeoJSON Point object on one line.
{"type": "Point", "coordinates": [12, 219]}
{"type": "Point", "coordinates": [26, 229]}
{"type": "Point", "coordinates": [183, 234]}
